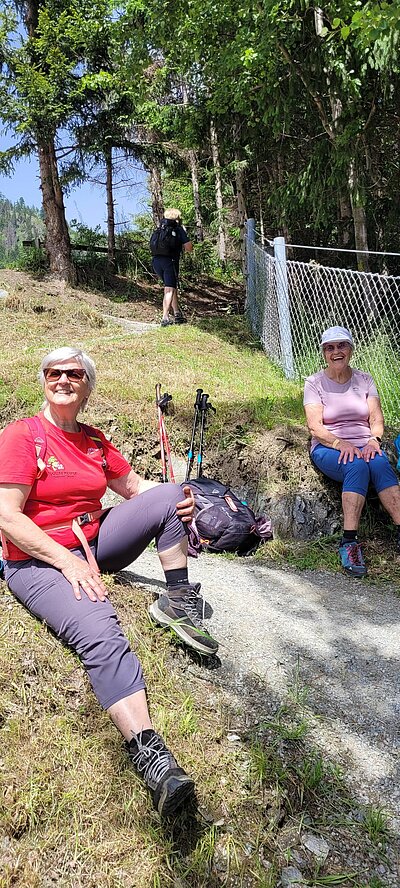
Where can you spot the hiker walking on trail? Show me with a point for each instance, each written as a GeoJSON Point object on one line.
{"type": "Point", "coordinates": [345, 419]}
{"type": "Point", "coordinates": [166, 245]}
{"type": "Point", "coordinates": [57, 540]}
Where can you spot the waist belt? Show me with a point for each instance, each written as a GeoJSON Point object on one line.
{"type": "Point", "coordinates": [74, 524]}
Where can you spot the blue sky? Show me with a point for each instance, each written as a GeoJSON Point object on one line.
{"type": "Point", "coordinates": [87, 202]}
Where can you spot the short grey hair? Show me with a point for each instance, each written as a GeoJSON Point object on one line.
{"type": "Point", "coordinates": [66, 354]}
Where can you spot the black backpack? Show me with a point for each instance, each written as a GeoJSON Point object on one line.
{"type": "Point", "coordinates": [165, 240]}
{"type": "Point", "coordinates": [222, 523]}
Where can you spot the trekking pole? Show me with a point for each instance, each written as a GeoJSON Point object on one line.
{"type": "Point", "coordinates": [166, 399]}
{"type": "Point", "coordinates": [190, 455]}
{"type": "Point", "coordinates": [160, 432]}
{"type": "Point", "coordinates": [205, 405]}
{"type": "Point", "coordinates": [166, 459]}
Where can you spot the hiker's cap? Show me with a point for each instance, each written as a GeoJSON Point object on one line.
{"type": "Point", "coordinates": [336, 334]}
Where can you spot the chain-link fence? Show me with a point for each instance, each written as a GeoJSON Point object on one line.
{"type": "Point", "coordinates": [290, 303]}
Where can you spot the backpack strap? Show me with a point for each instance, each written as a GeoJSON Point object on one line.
{"type": "Point", "coordinates": [40, 441]}
{"type": "Point", "coordinates": [93, 434]}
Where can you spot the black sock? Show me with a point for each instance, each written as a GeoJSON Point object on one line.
{"type": "Point", "coordinates": [349, 536]}
{"type": "Point", "coordinates": [177, 577]}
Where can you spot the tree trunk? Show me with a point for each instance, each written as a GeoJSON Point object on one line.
{"type": "Point", "coordinates": [346, 219]}
{"type": "Point", "coordinates": [218, 193]}
{"type": "Point", "coordinates": [359, 217]}
{"type": "Point", "coordinates": [240, 190]}
{"type": "Point", "coordinates": [196, 197]}
{"type": "Point", "coordinates": [110, 207]}
{"type": "Point", "coordinates": [260, 208]}
{"type": "Point", "coordinates": [58, 244]}
{"type": "Point", "coordinates": [371, 307]}
{"type": "Point", "coordinates": [157, 203]}
{"type": "Point", "coordinates": [195, 178]}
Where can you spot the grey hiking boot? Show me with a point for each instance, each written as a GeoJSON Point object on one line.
{"type": "Point", "coordinates": [179, 318]}
{"type": "Point", "coordinates": [166, 322]}
{"type": "Point", "coordinates": [178, 609]}
{"type": "Point", "coordinates": [168, 784]}
{"type": "Point", "coordinates": [351, 556]}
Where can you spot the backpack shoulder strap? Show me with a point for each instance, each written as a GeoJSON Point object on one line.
{"type": "Point", "coordinates": [39, 440]}
{"type": "Point", "coordinates": [94, 435]}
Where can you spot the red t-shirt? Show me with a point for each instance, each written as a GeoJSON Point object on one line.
{"type": "Point", "coordinates": [72, 483]}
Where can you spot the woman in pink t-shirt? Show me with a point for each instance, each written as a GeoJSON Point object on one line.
{"type": "Point", "coordinates": [57, 540]}
{"type": "Point", "coordinates": [345, 419]}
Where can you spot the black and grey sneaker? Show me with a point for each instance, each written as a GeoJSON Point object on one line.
{"type": "Point", "coordinates": [179, 610]}
{"type": "Point", "coordinates": [168, 784]}
{"type": "Point", "coordinates": [179, 318]}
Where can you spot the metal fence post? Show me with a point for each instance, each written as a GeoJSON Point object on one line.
{"type": "Point", "coordinates": [250, 263]}
{"type": "Point", "coordinates": [282, 291]}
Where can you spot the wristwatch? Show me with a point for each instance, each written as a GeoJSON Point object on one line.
{"type": "Point", "coordinates": [375, 438]}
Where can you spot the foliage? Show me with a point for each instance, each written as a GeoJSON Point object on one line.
{"type": "Point", "coordinates": [18, 222]}
{"type": "Point", "coordinates": [304, 101]}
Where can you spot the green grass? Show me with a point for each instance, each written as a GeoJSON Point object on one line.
{"type": "Point", "coordinates": [322, 554]}
{"type": "Point", "coordinates": [72, 812]}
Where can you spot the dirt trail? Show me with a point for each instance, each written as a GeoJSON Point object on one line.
{"type": "Point", "coordinates": [340, 635]}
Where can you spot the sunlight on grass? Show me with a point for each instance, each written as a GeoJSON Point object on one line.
{"type": "Point", "coordinates": [72, 811]}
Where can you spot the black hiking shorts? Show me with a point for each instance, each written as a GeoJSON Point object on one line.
{"type": "Point", "coordinates": [167, 269]}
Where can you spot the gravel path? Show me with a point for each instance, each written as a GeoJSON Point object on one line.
{"type": "Point", "coordinates": [137, 327]}
{"type": "Point", "coordinates": [340, 636]}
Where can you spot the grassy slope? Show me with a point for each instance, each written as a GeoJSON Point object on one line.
{"type": "Point", "coordinates": [72, 813]}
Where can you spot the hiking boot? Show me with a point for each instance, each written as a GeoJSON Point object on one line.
{"type": "Point", "coordinates": [179, 318]}
{"type": "Point", "coordinates": [166, 322]}
{"type": "Point", "coordinates": [352, 559]}
{"type": "Point", "coordinates": [169, 785]}
{"type": "Point", "coordinates": [179, 609]}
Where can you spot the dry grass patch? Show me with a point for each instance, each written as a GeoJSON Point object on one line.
{"type": "Point", "coordinates": [72, 811]}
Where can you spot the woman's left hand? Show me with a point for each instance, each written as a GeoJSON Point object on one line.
{"type": "Point", "coordinates": [370, 450]}
{"type": "Point", "coordinates": [185, 508]}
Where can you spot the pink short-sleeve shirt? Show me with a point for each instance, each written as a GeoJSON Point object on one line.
{"type": "Point", "coordinates": [344, 406]}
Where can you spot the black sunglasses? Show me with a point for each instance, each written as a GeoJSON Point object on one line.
{"type": "Point", "coordinates": [51, 374]}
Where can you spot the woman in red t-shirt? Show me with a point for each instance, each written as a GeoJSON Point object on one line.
{"type": "Point", "coordinates": [57, 540]}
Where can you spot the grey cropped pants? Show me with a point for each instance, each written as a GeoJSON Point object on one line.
{"type": "Point", "coordinates": [91, 628]}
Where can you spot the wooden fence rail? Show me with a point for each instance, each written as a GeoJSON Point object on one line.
{"type": "Point", "coordinates": [36, 242]}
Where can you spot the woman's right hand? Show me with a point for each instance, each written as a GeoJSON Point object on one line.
{"type": "Point", "coordinates": [82, 576]}
{"type": "Point", "coordinates": [347, 452]}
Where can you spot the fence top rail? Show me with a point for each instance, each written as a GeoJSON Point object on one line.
{"type": "Point", "coordinates": [339, 272]}
{"type": "Point", "coordinates": [314, 267]}
{"type": "Point", "coordinates": [333, 249]}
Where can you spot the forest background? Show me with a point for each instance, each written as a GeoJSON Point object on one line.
{"type": "Point", "coordinates": [286, 112]}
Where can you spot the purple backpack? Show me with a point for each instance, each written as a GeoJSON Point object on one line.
{"type": "Point", "coordinates": [222, 523]}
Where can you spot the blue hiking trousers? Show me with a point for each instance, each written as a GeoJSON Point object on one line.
{"type": "Point", "coordinates": [357, 475]}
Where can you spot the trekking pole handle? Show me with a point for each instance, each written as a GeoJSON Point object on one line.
{"type": "Point", "coordinates": [199, 393]}
{"type": "Point", "coordinates": [206, 404]}
{"type": "Point", "coordinates": [163, 401]}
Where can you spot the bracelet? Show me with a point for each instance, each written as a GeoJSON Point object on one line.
{"type": "Point", "coordinates": [335, 442]}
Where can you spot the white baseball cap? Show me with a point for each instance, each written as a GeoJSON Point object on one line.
{"type": "Point", "coordinates": [336, 334]}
